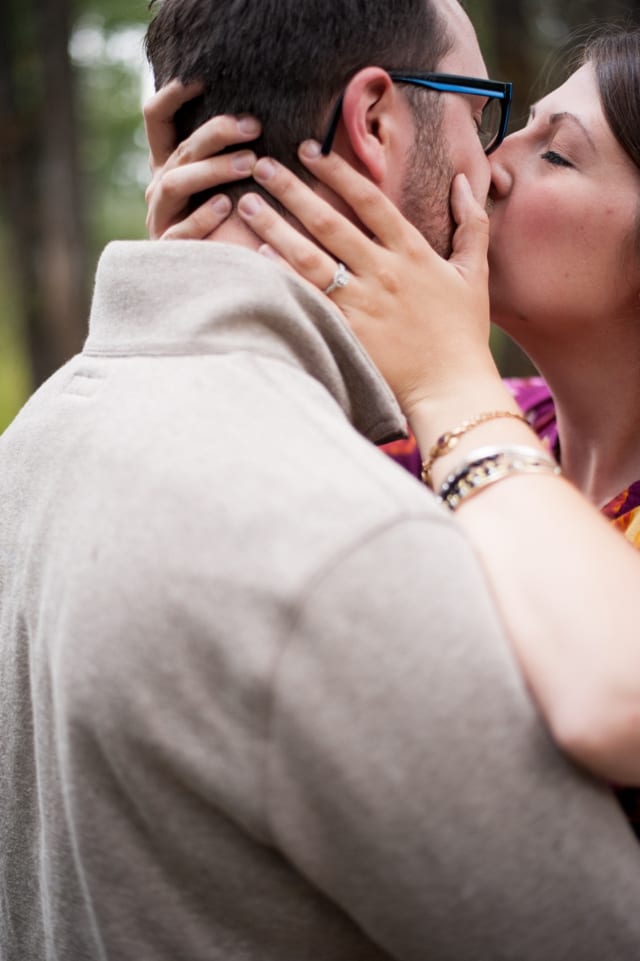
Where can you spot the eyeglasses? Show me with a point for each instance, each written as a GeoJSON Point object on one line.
{"type": "Point", "coordinates": [495, 113]}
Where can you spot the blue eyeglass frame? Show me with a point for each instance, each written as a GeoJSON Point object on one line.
{"type": "Point", "coordinates": [445, 83]}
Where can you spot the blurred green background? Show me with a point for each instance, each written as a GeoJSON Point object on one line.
{"type": "Point", "coordinates": [73, 158]}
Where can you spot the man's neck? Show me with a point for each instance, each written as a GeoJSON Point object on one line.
{"type": "Point", "coordinates": [235, 231]}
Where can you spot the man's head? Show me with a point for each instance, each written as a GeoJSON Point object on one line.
{"type": "Point", "coordinates": [286, 62]}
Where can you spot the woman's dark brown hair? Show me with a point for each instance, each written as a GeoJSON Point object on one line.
{"type": "Point", "coordinates": [614, 53]}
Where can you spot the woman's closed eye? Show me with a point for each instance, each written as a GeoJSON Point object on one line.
{"type": "Point", "coordinates": [556, 159]}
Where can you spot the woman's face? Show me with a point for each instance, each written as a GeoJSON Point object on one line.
{"type": "Point", "coordinates": [564, 207]}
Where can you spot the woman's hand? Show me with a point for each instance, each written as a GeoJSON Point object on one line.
{"type": "Point", "coordinates": [424, 320]}
{"type": "Point", "coordinates": [182, 170]}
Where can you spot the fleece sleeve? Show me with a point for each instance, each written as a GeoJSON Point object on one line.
{"type": "Point", "coordinates": [412, 781]}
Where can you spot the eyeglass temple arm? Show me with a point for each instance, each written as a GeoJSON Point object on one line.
{"type": "Point", "coordinates": [327, 143]}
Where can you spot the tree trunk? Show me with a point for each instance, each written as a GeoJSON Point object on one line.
{"type": "Point", "coordinates": [63, 266]}
{"type": "Point", "coordinates": [20, 147]}
{"type": "Point", "coordinates": [41, 179]}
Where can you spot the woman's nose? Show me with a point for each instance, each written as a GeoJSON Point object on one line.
{"type": "Point", "coordinates": [501, 171]}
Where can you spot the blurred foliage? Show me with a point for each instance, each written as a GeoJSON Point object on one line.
{"type": "Point", "coordinates": [105, 49]}
{"type": "Point", "coordinates": [107, 53]}
{"type": "Point", "coordinates": [108, 71]}
{"type": "Point", "coordinates": [14, 379]}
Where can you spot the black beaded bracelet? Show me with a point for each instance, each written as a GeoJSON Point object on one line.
{"type": "Point", "coordinates": [488, 465]}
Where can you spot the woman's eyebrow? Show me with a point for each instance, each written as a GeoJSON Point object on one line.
{"type": "Point", "coordinates": [557, 118]}
{"type": "Point", "coordinates": [565, 115]}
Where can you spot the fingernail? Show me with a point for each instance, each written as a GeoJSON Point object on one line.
{"type": "Point", "coordinates": [310, 149]}
{"type": "Point", "coordinates": [269, 252]}
{"type": "Point", "coordinates": [250, 204]}
{"type": "Point", "coordinates": [243, 163]}
{"type": "Point", "coordinates": [463, 184]}
{"type": "Point", "coordinates": [248, 125]}
{"type": "Point", "coordinates": [265, 169]}
{"type": "Point", "coordinates": [221, 204]}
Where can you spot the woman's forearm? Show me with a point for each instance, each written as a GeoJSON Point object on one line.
{"type": "Point", "coordinates": [565, 583]}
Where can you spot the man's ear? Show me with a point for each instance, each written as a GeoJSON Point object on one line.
{"type": "Point", "coordinates": [377, 122]}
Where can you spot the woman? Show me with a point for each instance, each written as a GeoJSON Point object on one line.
{"type": "Point", "coordinates": [565, 282]}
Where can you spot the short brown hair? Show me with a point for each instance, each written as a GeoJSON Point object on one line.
{"type": "Point", "coordinates": [285, 61]}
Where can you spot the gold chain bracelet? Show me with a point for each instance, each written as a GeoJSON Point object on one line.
{"type": "Point", "coordinates": [449, 440]}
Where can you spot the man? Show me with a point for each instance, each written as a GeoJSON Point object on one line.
{"type": "Point", "coordinates": [256, 701]}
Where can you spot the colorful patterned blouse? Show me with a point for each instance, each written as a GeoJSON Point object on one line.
{"type": "Point", "coordinates": [535, 400]}
{"type": "Point", "coordinates": [534, 397]}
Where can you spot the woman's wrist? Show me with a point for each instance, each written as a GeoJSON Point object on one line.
{"type": "Point", "coordinates": [441, 407]}
{"type": "Point", "coordinates": [480, 413]}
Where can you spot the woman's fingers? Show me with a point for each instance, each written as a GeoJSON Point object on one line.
{"type": "Point", "coordinates": [325, 224]}
{"type": "Point", "coordinates": [193, 167]}
{"type": "Point", "coordinates": [213, 136]}
{"type": "Point", "coordinates": [471, 239]}
{"type": "Point", "coordinates": [304, 256]}
{"type": "Point", "coordinates": [182, 170]}
{"type": "Point", "coordinates": [208, 139]}
{"type": "Point", "coordinates": [202, 222]}
{"type": "Point", "coordinates": [374, 210]}
{"type": "Point", "coordinates": [159, 112]}
{"type": "Point", "coordinates": [169, 193]}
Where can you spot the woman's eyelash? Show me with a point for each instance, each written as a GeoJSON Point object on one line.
{"type": "Point", "coordinates": [555, 158]}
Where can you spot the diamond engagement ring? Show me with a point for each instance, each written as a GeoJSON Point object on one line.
{"type": "Point", "coordinates": [340, 279]}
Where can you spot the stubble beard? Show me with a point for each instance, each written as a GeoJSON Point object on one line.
{"type": "Point", "coordinates": [425, 200]}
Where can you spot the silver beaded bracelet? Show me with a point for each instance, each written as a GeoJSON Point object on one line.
{"type": "Point", "coordinates": [488, 465]}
